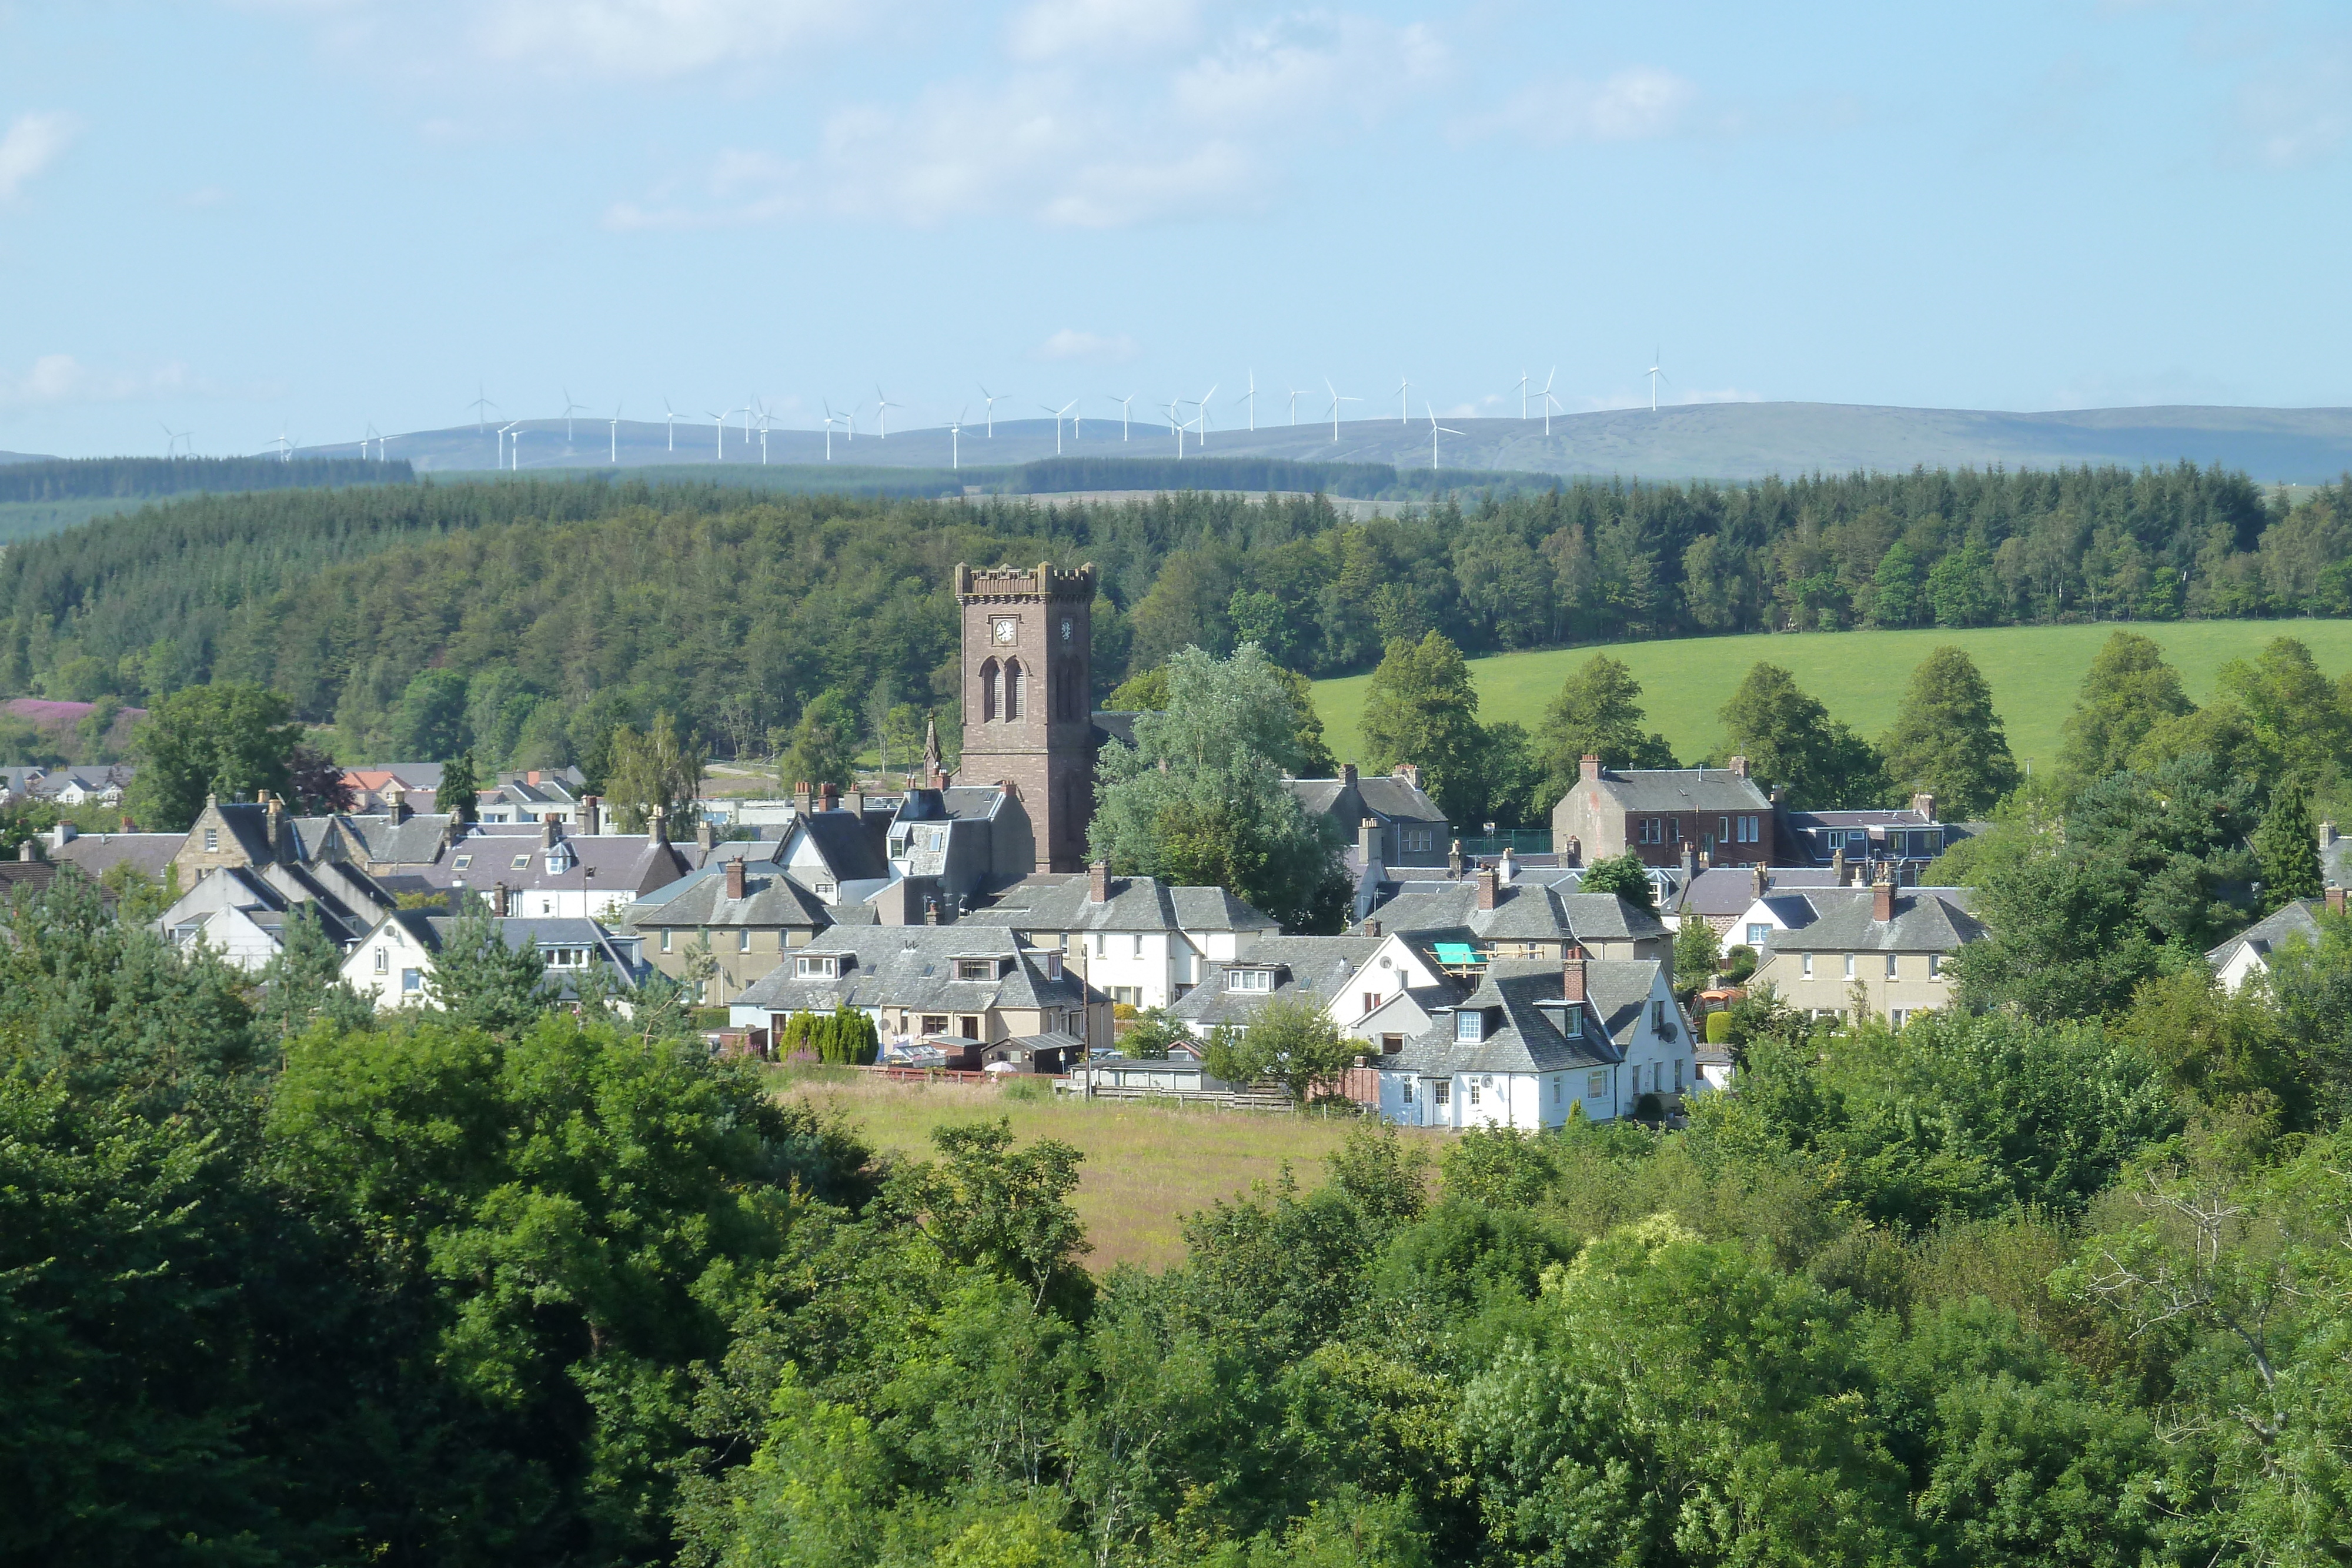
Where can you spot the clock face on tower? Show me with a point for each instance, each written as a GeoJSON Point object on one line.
{"type": "Point", "coordinates": [1006, 631]}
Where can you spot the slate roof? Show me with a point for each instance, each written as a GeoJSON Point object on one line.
{"type": "Point", "coordinates": [1729, 890]}
{"type": "Point", "coordinates": [1061, 901]}
{"type": "Point", "coordinates": [1838, 920]}
{"type": "Point", "coordinates": [1619, 990]}
{"type": "Point", "coordinates": [431, 930]}
{"type": "Point", "coordinates": [1306, 968]}
{"type": "Point", "coordinates": [848, 849]}
{"type": "Point", "coordinates": [1523, 1035]}
{"type": "Point", "coordinates": [626, 865]}
{"type": "Point", "coordinates": [771, 899]}
{"type": "Point", "coordinates": [913, 966]}
{"type": "Point", "coordinates": [1524, 911]}
{"type": "Point", "coordinates": [1680, 789]}
{"type": "Point", "coordinates": [95, 852]}
{"type": "Point", "coordinates": [2298, 918]}
{"type": "Point", "coordinates": [1383, 795]}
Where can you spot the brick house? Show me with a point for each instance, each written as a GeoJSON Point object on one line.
{"type": "Point", "coordinates": [1658, 812]}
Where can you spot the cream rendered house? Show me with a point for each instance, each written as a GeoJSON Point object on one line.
{"type": "Point", "coordinates": [1825, 947]}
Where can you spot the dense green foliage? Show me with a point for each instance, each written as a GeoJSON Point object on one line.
{"type": "Point", "coordinates": [279, 1285]}
{"type": "Point", "coordinates": [602, 602]}
{"type": "Point", "coordinates": [58, 478]}
{"type": "Point", "coordinates": [844, 1036]}
{"type": "Point", "coordinates": [227, 740]}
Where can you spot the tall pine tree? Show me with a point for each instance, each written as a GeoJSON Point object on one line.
{"type": "Point", "coordinates": [2287, 845]}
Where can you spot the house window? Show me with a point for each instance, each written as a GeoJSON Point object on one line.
{"type": "Point", "coordinates": [1131, 995]}
{"type": "Point", "coordinates": [665, 940]}
{"type": "Point", "coordinates": [1053, 968]}
{"type": "Point", "coordinates": [521, 861]}
{"type": "Point", "coordinates": [411, 982]}
{"type": "Point", "coordinates": [462, 862]}
{"type": "Point", "coordinates": [212, 839]}
{"type": "Point", "coordinates": [1758, 932]}
{"type": "Point", "coordinates": [1417, 840]}
{"type": "Point", "coordinates": [383, 961]}
{"type": "Point", "coordinates": [1849, 965]}
{"type": "Point", "coordinates": [1748, 829]}
{"type": "Point", "coordinates": [547, 906]}
{"type": "Point", "coordinates": [1723, 830]}
{"type": "Point", "coordinates": [1391, 1044]}
{"type": "Point", "coordinates": [1372, 1000]}
{"type": "Point", "coordinates": [1442, 1092]}
{"type": "Point", "coordinates": [1896, 1015]}
{"type": "Point", "coordinates": [1809, 966]}
{"type": "Point", "coordinates": [1469, 1025]}
{"type": "Point", "coordinates": [743, 940]}
{"type": "Point", "coordinates": [935, 1023]}
{"type": "Point", "coordinates": [1408, 1091]}
{"type": "Point", "coordinates": [975, 968]}
{"type": "Point", "coordinates": [1474, 1094]}
{"type": "Point", "coordinates": [1596, 1085]}
{"type": "Point", "coordinates": [1249, 979]}
{"type": "Point", "coordinates": [1935, 966]}
{"type": "Point", "coordinates": [1102, 946]}
{"type": "Point", "coordinates": [1139, 945]}
{"type": "Point", "coordinates": [1647, 831]}
{"type": "Point", "coordinates": [1658, 1020]}
{"type": "Point", "coordinates": [1890, 966]}
{"type": "Point", "coordinates": [1559, 1090]}
{"type": "Point", "coordinates": [970, 1026]}
{"type": "Point", "coordinates": [1678, 1074]}
{"type": "Point", "coordinates": [817, 967]}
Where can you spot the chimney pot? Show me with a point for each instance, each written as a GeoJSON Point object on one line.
{"type": "Point", "coordinates": [1588, 768]}
{"type": "Point", "coordinates": [1882, 901]}
{"type": "Point", "coordinates": [1571, 973]}
{"type": "Point", "coordinates": [1098, 883]}
{"type": "Point", "coordinates": [1454, 861]}
{"type": "Point", "coordinates": [1486, 881]}
{"type": "Point", "coordinates": [735, 880]}
{"type": "Point", "coordinates": [1838, 867]}
{"type": "Point", "coordinates": [832, 797]}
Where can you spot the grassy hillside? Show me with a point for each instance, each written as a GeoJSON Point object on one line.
{"type": "Point", "coordinates": [2034, 671]}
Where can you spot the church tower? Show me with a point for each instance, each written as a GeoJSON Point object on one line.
{"type": "Point", "coordinates": [1028, 697]}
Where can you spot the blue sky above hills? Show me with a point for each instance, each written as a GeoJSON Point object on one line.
{"type": "Point", "coordinates": [226, 217]}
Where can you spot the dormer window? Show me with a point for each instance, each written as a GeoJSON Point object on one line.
{"type": "Point", "coordinates": [975, 969]}
{"type": "Point", "coordinates": [817, 967]}
{"type": "Point", "coordinates": [1470, 1024]}
{"type": "Point", "coordinates": [1249, 979]}
{"type": "Point", "coordinates": [1052, 965]}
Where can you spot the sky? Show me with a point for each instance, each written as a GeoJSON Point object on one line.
{"type": "Point", "coordinates": [239, 218]}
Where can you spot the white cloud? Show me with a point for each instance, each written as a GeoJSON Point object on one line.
{"type": "Point", "coordinates": [1308, 64]}
{"type": "Point", "coordinates": [1049, 29]}
{"type": "Point", "coordinates": [1639, 104]}
{"type": "Point", "coordinates": [57, 379]}
{"type": "Point", "coordinates": [1070, 346]}
{"type": "Point", "coordinates": [30, 144]}
{"type": "Point", "coordinates": [2300, 114]}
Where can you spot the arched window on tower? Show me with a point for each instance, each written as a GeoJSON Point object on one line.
{"type": "Point", "coordinates": [1016, 689]}
{"type": "Point", "coordinates": [991, 703]}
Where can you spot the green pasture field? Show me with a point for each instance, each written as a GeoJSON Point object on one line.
{"type": "Point", "coordinates": [2034, 672]}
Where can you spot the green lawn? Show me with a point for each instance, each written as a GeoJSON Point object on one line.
{"type": "Point", "coordinates": [2035, 671]}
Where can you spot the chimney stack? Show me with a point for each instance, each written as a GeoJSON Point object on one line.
{"type": "Point", "coordinates": [1410, 772]}
{"type": "Point", "coordinates": [1571, 973]}
{"type": "Point", "coordinates": [1739, 767]}
{"type": "Point", "coordinates": [706, 837]}
{"type": "Point", "coordinates": [1837, 866]}
{"type": "Point", "coordinates": [1882, 900]}
{"type": "Point", "coordinates": [2335, 899]}
{"type": "Point", "coordinates": [1454, 861]}
{"type": "Point", "coordinates": [931, 912]}
{"type": "Point", "coordinates": [1098, 883]}
{"type": "Point", "coordinates": [592, 814]}
{"type": "Point", "coordinates": [803, 797]}
{"type": "Point", "coordinates": [280, 840]}
{"type": "Point", "coordinates": [1588, 768]}
{"type": "Point", "coordinates": [656, 826]}
{"type": "Point", "coordinates": [395, 801]}
{"type": "Point", "coordinates": [498, 900]}
{"type": "Point", "coordinates": [1371, 927]}
{"type": "Point", "coordinates": [548, 832]}
{"type": "Point", "coordinates": [1486, 881]}
{"type": "Point", "coordinates": [1761, 880]}
{"type": "Point", "coordinates": [832, 798]}
{"type": "Point", "coordinates": [1368, 839]}
{"type": "Point", "coordinates": [1348, 774]}
{"type": "Point", "coordinates": [854, 802]}
{"type": "Point", "coordinates": [1509, 870]}
{"type": "Point", "coordinates": [1690, 862]}
{"type": "Point", "coordinates": [1924, 804]}
{"type": "Point", "coordinates": [2327, 837]}
{"type": "Point", "coordinates": [735, 880]}
{"type": "Point", "coordinates": [30, 850]}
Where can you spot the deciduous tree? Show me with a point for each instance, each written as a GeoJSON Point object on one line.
{"type": "Point", "coordinates": [1947, 739]}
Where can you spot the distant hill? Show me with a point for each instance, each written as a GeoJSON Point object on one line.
{"type": "Point", "coordinates": [24, 458]}
{"type": "Point", "coordinates": [76, 479]}
{"type": "Point", "coordinates": [1731, 441]}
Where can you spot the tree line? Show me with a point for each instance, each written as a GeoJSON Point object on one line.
{"type": "Point", "coordinates": [67, 478]}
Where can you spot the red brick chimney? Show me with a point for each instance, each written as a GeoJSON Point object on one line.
{"type": "Point", "coordinates": [592, 814]}
{"type": "Point", "coordinates": [735, 880]}
{"type": "Point", "coordinates": [1488, 882]}
{"type": "Point", "coordinates": [2334, 899]}
{"type": "Point", "coordinates": [1098, 883]}
{"type": "Point", "coordinates": [1882, 900]}
{"type": "Point", "coordinates": [832, 797]}
{"type": "Point", "coordinates": [1739, 767]}
{"type": "Point", "coordinates": [1588, 769]}
{"type": "Point", "coordinates": [1571, 973]}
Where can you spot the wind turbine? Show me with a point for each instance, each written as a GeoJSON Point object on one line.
{"type": "Point", "coordinates": [1058, 413]}
{"type": "Point", "coordinates": [381, 443]}
{"type": "Point", "coordinates": [1122, 403]}
{"type": "Point", "coordinates": [1524, 379]}
{"type": "Point", "coordinates": [171, 442]}
{"type": "Point", "coordinates": [569, 409]}
{"type": "Point", "coordinates": [1434, 429]}
{"type": "Point", "coordinates": [502, 444]}
{"type": "Point", "coordinates": [1294, 395]}
{"type": "Point", "coordinates": [1549, 402]}
{"type": "Point", "coordinates": [481, 426]}
{"type": "Point", "coordinates": [989, 413]}
{"type": "Point", "coordinates": [955, 439]}
{"type": "Point", "coordinates": [285, 447]}
{"type": "Point", "coordinates": [371, 435]}
{"type": "Point", "coordinates": [673, 423]}
{"type": "Point", "coordinates": [1655, 375]}
{"type": "Point", "coordinates": [1404, 411]}
{"type": "Point", "coordinates": [1201, 436]}
{"type": "Point", "coordinates": [882, 407]}
{"type": "Point", "coordinates": [1250, 397]}
{"type": "Point", "coordinates": [764, 417]}
{"type": "Point", "coordinates": [617, 435]}
{"type": "Point", "coordinates": [720, 422]}
{"type": "Point", "coordinates": [1336, 401]}
{"type": "Point", "coordinates": [1176, 429]}
{"type": "Point", "coordinates": [831, 419]}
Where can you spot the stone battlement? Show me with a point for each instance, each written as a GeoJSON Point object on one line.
{"type": "Point", "coordinates": [1040, 581]}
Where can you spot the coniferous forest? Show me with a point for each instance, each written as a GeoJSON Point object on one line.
{"type": "Point", "coordinates": [548, 600]}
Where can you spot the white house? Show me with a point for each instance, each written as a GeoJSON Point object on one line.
{"type": "Point", "coordinates": [1535, 1043]}
{"type": "Point", "coordinates": [1135, 939]}
{"type": "Point", "coordinates": [2248, 953]}
{"type": "Point", "coordinates": [391, 963]}
{"type": "Point", "coordinates": [240, 911]}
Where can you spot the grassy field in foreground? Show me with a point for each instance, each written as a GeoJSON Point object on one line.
{"type": "Point", "coordinates": [2034, 672]}
{"type": "Point", "coordinates": [1147, 1166]}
